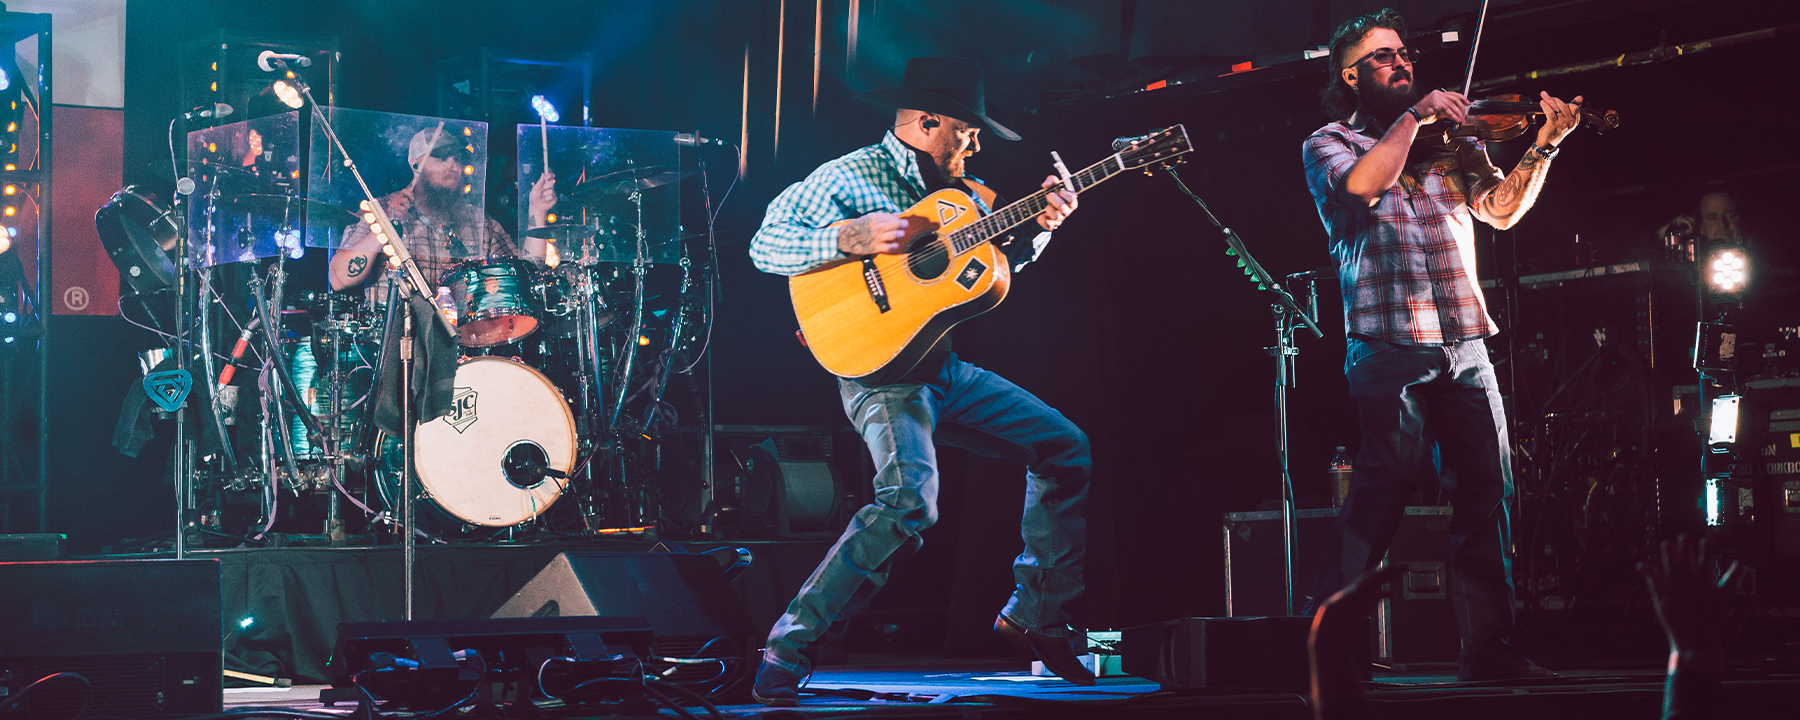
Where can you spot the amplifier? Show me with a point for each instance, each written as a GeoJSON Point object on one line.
{"type": "Point", "coordinates": [1414, 623]}
{"type": "Point", "coordinates": [1253, 585]}
{"type": "Point", "coordinates": [31, 547]}
{"type": "Point", "coordinates": [147, 635]}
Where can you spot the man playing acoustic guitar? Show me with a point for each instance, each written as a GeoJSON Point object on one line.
{"type": "Point", "coordinates": [941, 399]}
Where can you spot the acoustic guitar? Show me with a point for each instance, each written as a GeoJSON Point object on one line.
{"type": "Point", "coordinates": [871, 318]}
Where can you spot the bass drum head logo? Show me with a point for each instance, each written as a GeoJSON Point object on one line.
{"type": "Point", "coordinates": [462, 409]}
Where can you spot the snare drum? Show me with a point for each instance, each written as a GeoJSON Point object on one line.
{"type": "Point", "coordinates": [466, 464]}
{"type": "Point", "coordinates": [497, 300]}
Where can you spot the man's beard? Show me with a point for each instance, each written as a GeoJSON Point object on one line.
{"type": "Point", "coordinates": [1384, 103]}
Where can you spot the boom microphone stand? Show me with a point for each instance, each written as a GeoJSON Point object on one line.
{"type": "Point", "coordinates": [1289, 318]}
{"type": "Point", "coordinates": [392, 248]}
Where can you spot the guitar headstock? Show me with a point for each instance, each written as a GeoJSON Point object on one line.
{"type": "Point", "coordinates": [1156, 147]}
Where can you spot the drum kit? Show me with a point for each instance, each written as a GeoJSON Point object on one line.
{"type": "Point", "coordinates": [558, 387]}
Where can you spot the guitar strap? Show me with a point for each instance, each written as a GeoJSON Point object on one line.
{"type": "Point", "coordinates": [988, 197]}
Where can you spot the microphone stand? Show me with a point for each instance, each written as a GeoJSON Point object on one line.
{"type": "Point", "coordinates": [1289, 318]}
{"type": "Point", "coordinates": [414, 282]}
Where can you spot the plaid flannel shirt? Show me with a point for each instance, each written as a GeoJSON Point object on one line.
{"type": "Point", "coordinates": [435, 247]}
{"type": "Point", "coordinates": [885, 177]}
{"type": "Point", "coordinates": [1406, 265]}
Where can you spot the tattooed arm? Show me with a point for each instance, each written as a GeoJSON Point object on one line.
{"type": "Point", "coordinates": [1506, 203]}
{"type": "Point", "coordinates": [356, 262]}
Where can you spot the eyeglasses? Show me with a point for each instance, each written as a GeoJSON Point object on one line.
{"type": "Point", "coordinates": [1384, 57]}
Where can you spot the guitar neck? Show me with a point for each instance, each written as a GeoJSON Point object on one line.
{"type": "Point", "coordinates": [1028, 207]}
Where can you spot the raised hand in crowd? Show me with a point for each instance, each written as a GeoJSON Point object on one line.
{"type": "Point", "coordinates": [1690, 597]}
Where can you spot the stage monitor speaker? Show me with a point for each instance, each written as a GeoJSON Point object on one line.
{"type": "Point", "coordinates": [685, 597]}
{"type": "Point", "coordinates": [1198, 652]}
{"type": "Point", "coordinates": [147, 635]}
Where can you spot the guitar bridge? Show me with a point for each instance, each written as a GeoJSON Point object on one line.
{"type": "Point", "coordinates": [872, 277]}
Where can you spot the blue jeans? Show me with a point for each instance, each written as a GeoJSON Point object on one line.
{"type": "Point", "coordinates": [961, 406]}
{"type": "Point", "coordinates": [1407, 398]}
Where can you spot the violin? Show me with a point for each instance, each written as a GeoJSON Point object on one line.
{"type": "Point", "coordinates": [1504, 117]}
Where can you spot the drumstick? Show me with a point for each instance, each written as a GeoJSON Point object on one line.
{"type": "Point", "coordinates": [545, 128]}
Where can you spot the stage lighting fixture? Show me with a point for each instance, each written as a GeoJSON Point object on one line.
{"type": "Point", "coordinates": [1724, 422]}
{"type": "Point", "coordinates": [288, 95]}
{"type": "Point", "coordinates": [1715, 487]}
{"type": "Point", "coordinates": [1726, 270]}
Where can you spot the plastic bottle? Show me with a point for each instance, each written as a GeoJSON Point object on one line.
{"type": "Point", "coordinates": [446, 304]}
{"type": "Point", "coordinates": [1340, 477]}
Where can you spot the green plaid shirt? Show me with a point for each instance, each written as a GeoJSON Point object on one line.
{"type": "Point", "coordinates": [795, 238]}
{"type": "Point", "coordinates": [885, 177]}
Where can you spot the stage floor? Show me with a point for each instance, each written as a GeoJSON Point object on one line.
{"type": "Point", "coordinates": [929, 688]}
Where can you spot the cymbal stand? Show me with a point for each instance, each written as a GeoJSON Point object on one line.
{"type": "Point", "coordinates": [1289, 318]}
{"type": "Point", "coordinates": [639, 514]}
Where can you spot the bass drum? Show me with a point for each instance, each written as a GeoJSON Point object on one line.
{"type": "Point", "coordinates": [473, 467]}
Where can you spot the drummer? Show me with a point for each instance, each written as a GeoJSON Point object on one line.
{"type": "Point", "coordinates": [440, 228]}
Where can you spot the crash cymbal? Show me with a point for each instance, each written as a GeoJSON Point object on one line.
{"type": "Point", "coordinates": [318, 214]}
{"type": "Point", "coordinates": [625, 181]}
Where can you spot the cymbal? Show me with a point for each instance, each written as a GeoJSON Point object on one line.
{"type": "Point", "coordinates": [318, 214]}
{"type": "Point", "coordinates": [625, 181]}
{"type": "Point", "coordinates": [565, 234]}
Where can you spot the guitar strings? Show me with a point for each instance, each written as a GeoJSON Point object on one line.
{"type": "Point", "coordinates": [1085, 178]}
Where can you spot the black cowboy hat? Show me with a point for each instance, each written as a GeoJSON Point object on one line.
{"type": "Point", "coordinates": [944, 86]}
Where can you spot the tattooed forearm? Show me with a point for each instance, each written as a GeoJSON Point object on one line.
{"type": "Point", "coordinates": [1518, 192]}
{"type": "Point", "coordinates": [357, 265]}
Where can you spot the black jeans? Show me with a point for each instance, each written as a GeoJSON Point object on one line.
{"type": "Point", "coordinates": [1407, 398]}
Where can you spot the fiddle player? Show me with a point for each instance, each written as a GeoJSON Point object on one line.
{"type": "Point", "coordinates": [438, 225]}
{"type": "Point", "coordinates": [1400, 227]}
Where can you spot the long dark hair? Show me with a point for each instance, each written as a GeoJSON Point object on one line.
{"type": "Point", "coordinates": [1338, 97]}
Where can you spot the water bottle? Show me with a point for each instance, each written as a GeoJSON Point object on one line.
{"type": "Point", "coordinates": [446, 305]}
{"type": "Point", "coordinates": [1340, 477]}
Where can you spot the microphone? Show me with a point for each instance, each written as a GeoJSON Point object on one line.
{"type": "Point", "coordinates": [694, 140]}
{"type": "Point", "coordinates": [262, 61]}
{"type": "Point", "coordinates": [535, 468]}
{"type": "Point", "coordinates": [218, 110]}
{"type": "Point", "coordinates": [1120, 143]}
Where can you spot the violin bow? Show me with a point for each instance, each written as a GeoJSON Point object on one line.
{"type": "Point", "coordinates": [1474, 47]}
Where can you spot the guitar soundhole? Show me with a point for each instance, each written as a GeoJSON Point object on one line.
{"type": "Point", "coordinates": [928, 258]}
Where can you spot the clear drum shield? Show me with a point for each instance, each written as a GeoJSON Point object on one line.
{"type": "Point", "coordinates": [246, 203]}
{"type": "Point", "coordinates": [618, 192]}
